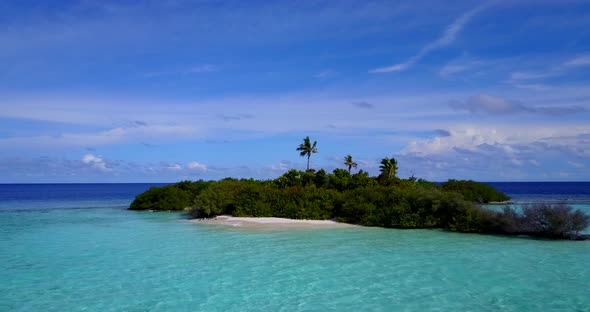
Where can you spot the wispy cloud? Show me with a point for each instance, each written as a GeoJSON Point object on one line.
{"type": "Point", "coordinates": [119, 135]}
{"type": "Point", "coordinates": [492, 105]}
{"type": "Point", "coordinates": [517, 76]}
{"type": "Point", "coordinates": [532, 86]}
{"type": "Point", "coordinates": [582, 60]}
{"type": "Point", "coordinates": [446, 39]}
{"type": "Point", "coordinates": [200, 69]}
{"type": "Point", "coordinates": [557, 70]}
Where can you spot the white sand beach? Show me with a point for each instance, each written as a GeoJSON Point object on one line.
{"type": "Point", "coordinates": [272, 223]}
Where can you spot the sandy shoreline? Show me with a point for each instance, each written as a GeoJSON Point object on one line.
{"type": "Point", "coordinates": [271, 223]}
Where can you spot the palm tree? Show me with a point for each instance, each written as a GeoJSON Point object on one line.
{"type": "Point", "coordinates": [306, 149]}
{"type": "Point", "coordinates": [388, 167]}
{"type": "Point", "coordinates": [349, 163]}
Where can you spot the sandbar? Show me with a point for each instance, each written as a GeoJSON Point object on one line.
{"type": "Point", "coordinates": [272, 223]}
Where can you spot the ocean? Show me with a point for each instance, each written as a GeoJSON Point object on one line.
{"type": "Point", "coordinates": [75, 247]}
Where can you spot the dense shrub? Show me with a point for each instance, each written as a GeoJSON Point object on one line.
{"type": "Point", "coordinates": [193, 188]}
{"type": "Point", "coordinates": [546, 220]}
{"type": "Point", "coordinates": [404, 208]}
{"type": "Point", "coordinates": [291, 202]}
{"type": "Point", "coordinates": [177, 196]}
{"type": "Point", "coordinates": [218, 198]}
{"type": "Point", "coordinates": [168, 197]}
{"type": "Point", "coordinates": [539, 220]}
{"type": "Point", "coordinates": [554, 220]}
{"type": "Point", "coordinates": [475, 191]}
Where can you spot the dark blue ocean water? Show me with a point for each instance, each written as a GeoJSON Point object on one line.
{"type": "Point", "coordinates": [88, 191]}
{"type": "Point", "coordinates": [543, 188]}
{"type": "Point", "coordinates": [524, 192]}
{"type": "Point", "coordinates": [74, 247]}
{"type": "Point", "coordinates": [76, 196]}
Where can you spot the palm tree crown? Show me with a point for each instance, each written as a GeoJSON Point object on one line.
{"type": "Point", "coordinates": [306, 149]}
{"type": "Point", "coordinates": [388, 167]}
{"type": "Point", "coordinates": [349, 163]}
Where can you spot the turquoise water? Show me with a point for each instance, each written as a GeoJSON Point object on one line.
{"type": "Point", "coordinates": [110, 259]}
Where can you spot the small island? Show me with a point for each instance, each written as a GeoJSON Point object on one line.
{"type": "Point", "coordinates": [384, 201]}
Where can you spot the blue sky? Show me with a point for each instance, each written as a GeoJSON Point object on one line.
{"type": "Point", "coordinates": [157, 91]}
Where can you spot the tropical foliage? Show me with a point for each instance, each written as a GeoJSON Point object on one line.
{"type": "Point", "coordinates": [359, 199]}
{"type": "Point", "coordinates": [307, 148]}
{"type": "Point", "coordinates": [388, 169]}
{"type": "Point", "coordinates": [349, 162]}
{"type": "Point", "coordinates": [474, 191]}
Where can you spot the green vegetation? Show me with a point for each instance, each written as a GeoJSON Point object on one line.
{"type": "Point", "coordinates": [349, 162]}
{"type": "Point", "coordinates": [364, 200]}
{"type": "Point", "coordinates": [385, 201]}
{"type": "Point", "coordinates": [475, 192]}
{"type": "Point", "coordinates": [388, 169]}
{"type": "Point", "coordinates": [170, 197]}
{"type": "Point", "coordinates": [541, 220]}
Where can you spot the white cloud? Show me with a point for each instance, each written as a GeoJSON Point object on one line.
{"type": "Point", "coordinates": [165, 122]}
{"type": "Point", "coordinates": [96, 162]}
{"type": "Point", "coordinates": [446, 39]}
{"type": "Point", "coordinates": [197, 166]}
{"type": "Point", "coordinates": [499, 153]}
{"type": "Point", "coordinates": [508, 138]}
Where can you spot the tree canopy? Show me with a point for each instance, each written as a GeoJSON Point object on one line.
{"type": "Point", "coordinates": [360, 199]}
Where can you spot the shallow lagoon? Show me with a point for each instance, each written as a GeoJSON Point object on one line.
{"type": "Point", "coordinates": [108, 259]}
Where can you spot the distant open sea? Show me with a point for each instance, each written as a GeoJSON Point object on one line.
{"type": "Point", "coordinates": [75, 247]}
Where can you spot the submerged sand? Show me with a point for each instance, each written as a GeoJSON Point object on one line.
{"type": "Point", "coordinates": [272, 223]}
